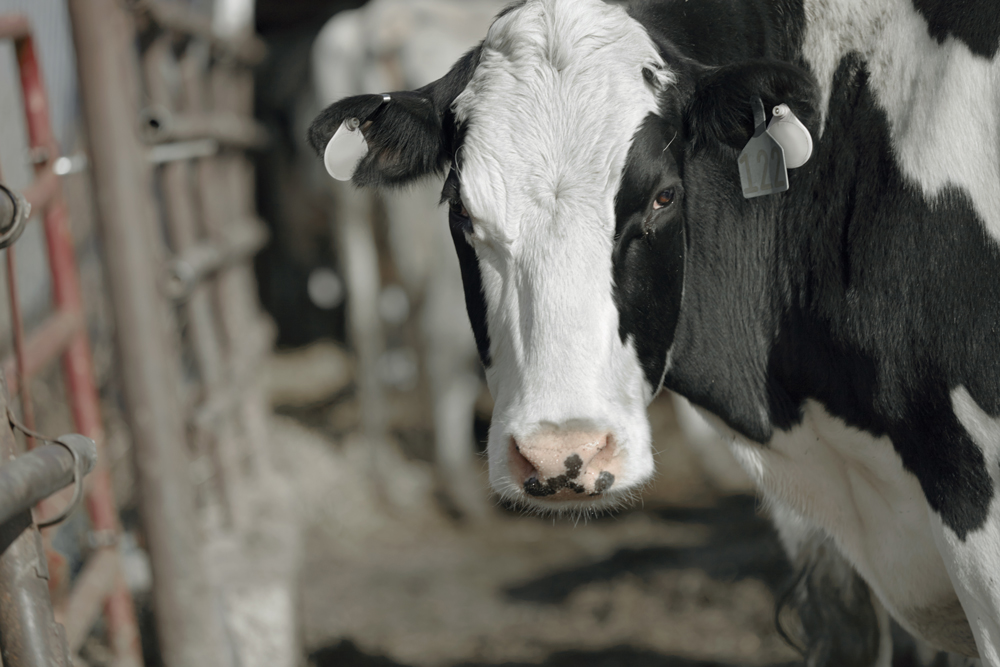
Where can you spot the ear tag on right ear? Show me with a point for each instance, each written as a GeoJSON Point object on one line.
{"type": "Point", "coordinates": [793, 136]}
{"type": "Point", "coordinates": [762, 162]}
{"type": "Point", "coordinates": [345, 150]}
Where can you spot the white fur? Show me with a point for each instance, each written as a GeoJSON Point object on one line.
{"type": "Point", "coordinates": [552, 109]}
{"type": "Point", "coordinates": [941, 100]}
{"type": "Point", "coordinates": [974, 565]}
{"type": "Point", "coordinates": [853, 487]}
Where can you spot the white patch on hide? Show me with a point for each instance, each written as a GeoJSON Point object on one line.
{"type": "Point", "coordinates": [974, 565]}
{"type": "Point", "coordinates": [942, 101]}
{"type": "Point", "coordinates": [853, 486]}
{"type": "Point", "coordinates": [551, 113]}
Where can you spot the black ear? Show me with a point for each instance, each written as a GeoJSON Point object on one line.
{"type": "Point", "coordinates": [409, 136]}
{"type": "Point", "coordinates": [720, 108]}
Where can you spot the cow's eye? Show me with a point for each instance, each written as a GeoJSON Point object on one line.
{"type": "Point", "coordinates": [664, 199]}
{"type": "Point", "coordinates": [460, 218]}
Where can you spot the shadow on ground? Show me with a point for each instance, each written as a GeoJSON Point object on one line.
{"type": "Point", "coordinates": [346, 654]}
{"type": "Point", "coordinates": [741, 545]}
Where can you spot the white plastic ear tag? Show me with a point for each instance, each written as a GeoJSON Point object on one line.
{"type": "Point", "coordinates": [345, 150]}
{"type": "Point", "coordinates": [793, 136]}
{"type": "Point", "coordinates": [762, 162]}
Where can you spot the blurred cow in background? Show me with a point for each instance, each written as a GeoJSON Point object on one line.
{"type": "Point", "coordinates": [393, 45]}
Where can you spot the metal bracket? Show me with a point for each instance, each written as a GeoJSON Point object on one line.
{"type": "Point", "coordinates": [84, 451]}
{"type": "Point", "coordinates": [14, 213]}
{"type": "Point", "coordinates": [78, 474]}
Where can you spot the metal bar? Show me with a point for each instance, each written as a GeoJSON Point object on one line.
{"type": "Point", "coordinates": [199, 261]}
{"type": "Point", "coordinates": [38, 474]}
{"type": "Point", "coordinates": [97, 579]}
{"type": "Point", "coordinates": [232, 91]}
{"type": "Point", "coordinates": [122, 629]}
{"type": "Point", "coordinates": [44, 189]}
{"type": "Point", "coordinates": [249, 50]}
{"type": "Point", "coordinates": [14, 26]}
{"type": "Point", "coordinates": [159, 125]}
{"type": "Point", "coordinates": [182, 225]}
{"type": "Point", "coordinates": [245, 376]}
{"type": "Point", "coordinates": [30, 636]}
{"type": "Point", "coordinates": [44, 345]}
{"type": "Point", "coordinates": [182, 150]}
{"type": "Point", "coordinates": [190, 630]}
{"type": "Point", "coordinates": [17, 322]}
{"type": "Point", "coordinates": [215, 213]}
{"type": "Point", "coordinates": [8, 209]}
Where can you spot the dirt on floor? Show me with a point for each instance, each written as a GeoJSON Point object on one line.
{"type": "Point", "coordinates": [688, 578]}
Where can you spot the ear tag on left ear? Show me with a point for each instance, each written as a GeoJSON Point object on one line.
{"type": "Point", "coordinates": [345, 150]}
{"type": "Point", "coordinates": [762, 162]}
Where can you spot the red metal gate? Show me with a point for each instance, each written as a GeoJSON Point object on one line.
{"type": "Point", "coordinates": [64, 334]}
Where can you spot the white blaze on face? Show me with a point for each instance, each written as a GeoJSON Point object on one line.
{"type": "Point", "coordinates": [551, 112]}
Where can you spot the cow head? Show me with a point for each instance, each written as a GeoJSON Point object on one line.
{"type": "Point", "coordinates": [565, 137]}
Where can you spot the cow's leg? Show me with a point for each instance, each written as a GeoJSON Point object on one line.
{"type": "Point", "coordinates": [842, 621]}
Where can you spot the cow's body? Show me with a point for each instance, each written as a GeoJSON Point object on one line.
{"type": "Point", "coordinates": [845, 333]}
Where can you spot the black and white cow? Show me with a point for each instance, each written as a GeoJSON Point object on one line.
{"type": "Point", "coordinates": [845, 333]}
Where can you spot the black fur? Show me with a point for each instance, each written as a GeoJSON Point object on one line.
{"type": "Point", "coordinates": [974, 22]}
{"type": "Point", "coordinates": [648, 259]}
{"type": "Point", "coordinates": [850, 289]}
{"type": "Point", "coordinates": [472, 280]}
{"type": "Point", "coordinates": [720, 109]}
{"type": "Point", "coordinates": [719, 32]}
{"type": "Point", "coordinates": [409, 137]}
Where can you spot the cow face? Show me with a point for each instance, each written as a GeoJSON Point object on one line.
{"type": "Point", "coordinates": [565, 136]}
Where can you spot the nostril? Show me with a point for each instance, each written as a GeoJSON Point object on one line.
{"type": "Point", "coordinates": [564, 464]}
{"type": "Point", "coordinates": [520, 466]}
{"type": "Point", "coordinates": [604, 482]}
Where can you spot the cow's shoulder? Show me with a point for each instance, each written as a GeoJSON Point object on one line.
{"type": "Point", "coordinates": [845, 483]}
{"type": "Point", "coordinates": [717, 32]}
{"type": "Point", "coordinates": [974, 22]}
{"type": "Point", "coordinates": [893, 301]}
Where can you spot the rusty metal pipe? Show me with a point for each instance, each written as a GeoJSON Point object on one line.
{"type": "Point", "coordinates": [41, 472]}
{"type": "Point", "coordinates": [31, 637]}
{"type": "Point", "coordinates": [44, 345]}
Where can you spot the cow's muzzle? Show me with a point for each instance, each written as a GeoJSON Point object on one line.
{"type": "Point", "coordinates": [564, 465]}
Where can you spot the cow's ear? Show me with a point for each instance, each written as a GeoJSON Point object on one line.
{"type": "Point", "coordinates": [720, 108]}
{"type": "Point", "coordinates": [409, 134]}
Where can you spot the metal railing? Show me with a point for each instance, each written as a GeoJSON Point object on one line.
{"type": "Point", "coordinates": [28, 632]}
